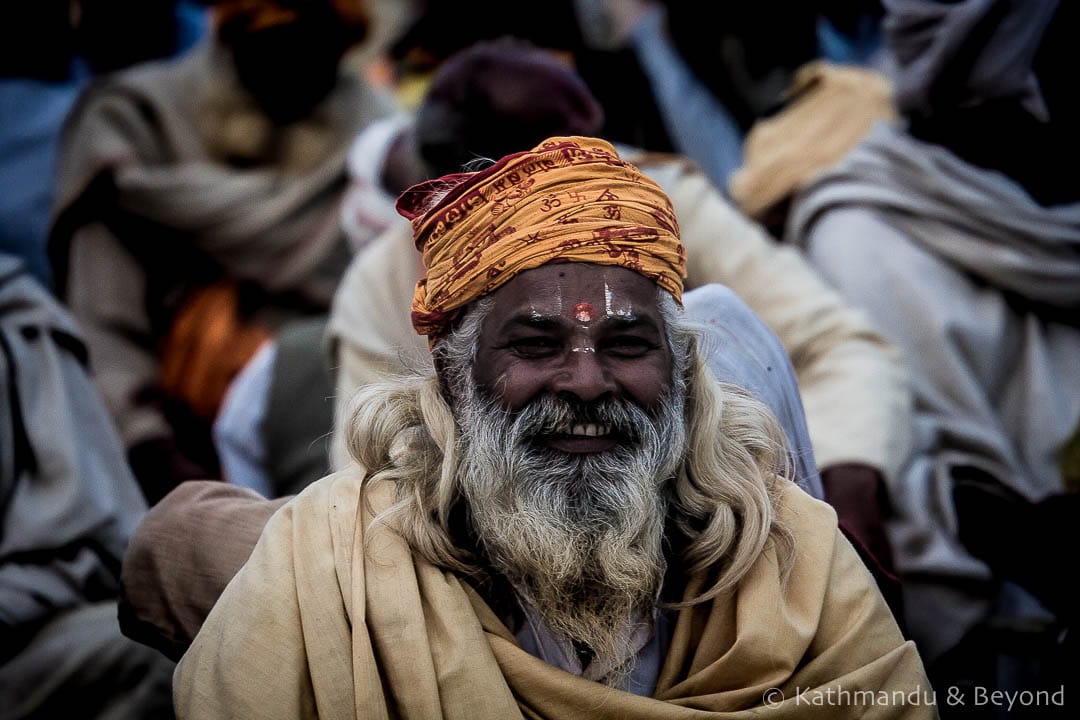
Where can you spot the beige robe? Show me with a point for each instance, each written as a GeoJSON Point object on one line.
{"type": "Point", "coordinates": [334, 618]}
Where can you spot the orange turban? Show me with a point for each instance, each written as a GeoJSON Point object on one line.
{"type": "Point", "coordinates": [570, 199]}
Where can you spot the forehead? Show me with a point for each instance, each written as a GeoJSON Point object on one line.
{"type": "Point", "coordinates": [563, 289]}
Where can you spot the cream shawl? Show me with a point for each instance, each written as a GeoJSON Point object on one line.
{"type": "Point", "coordinates": [332, 618]}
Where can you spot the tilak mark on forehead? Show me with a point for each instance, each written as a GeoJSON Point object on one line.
{"type": "Point", "coordinates": [583, 312]}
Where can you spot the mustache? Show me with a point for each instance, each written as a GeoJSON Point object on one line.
{"type": "Point", "coordinates": [551, 415]}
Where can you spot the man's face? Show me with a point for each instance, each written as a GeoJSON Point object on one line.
{"type": "Point", "coordinates": [571, 416]}
{"type": "Point", "coordinates": [291, 68]}
{"type": "Point", "coordinates": [580, 332]}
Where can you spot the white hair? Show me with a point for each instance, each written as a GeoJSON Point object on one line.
{"type": "Point", "coordinates": [722, 498]}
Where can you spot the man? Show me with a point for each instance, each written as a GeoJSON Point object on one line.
{"type": "Point", "coordinates": [68, 506]}
{"type": "Point", "coordinates": [196, 205]}
{"type": "Point", "coordinates": [965, 251]}
{"type": "Point", "coordinates": [848, 377]}
{"type": "Point", "coordinates": [853, 386]}
{"type": "Point", "coordinates": [195, 540]}
{"type": "Point", "coordinates": [571, 519]}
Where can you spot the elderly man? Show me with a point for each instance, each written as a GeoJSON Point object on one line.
{"type": "Point", "coordinates": [572, 518]}
{"type": "Point", "coordinates": [853, 385]}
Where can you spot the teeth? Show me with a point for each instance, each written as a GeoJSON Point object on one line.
{"type": "Point", "coordinates": [590, 430]}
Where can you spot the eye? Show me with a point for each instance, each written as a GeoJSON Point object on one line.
{"type": "Point", "coordinates": [536, 346]}
{"type": "Point", "coordinates": [628, 346]}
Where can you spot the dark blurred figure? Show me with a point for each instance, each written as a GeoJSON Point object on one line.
{"type": "Point", "coordinates": [48, 50]}
{"type": "Point", "coordinates": [715, 69]}
{"type": "Point", "coordinates": [68, 506]}
{"type": "Point", "coordinates": [196, 214]}
{"type": "Point", "coordinates": [968, 100]}
{"type": "Point", "coordinates": [37, 40]}
{"type": "Point", "coordinates": [959, 232]}
{"type": "Point", "coordinates": [105, 39]}
{"type": "Point", "coordinates": [749, 54]}
{"type": "Point", "coordinates": [613, 75]}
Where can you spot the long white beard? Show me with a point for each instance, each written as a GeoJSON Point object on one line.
{"type": "Point", "coordinates": [580, 536]}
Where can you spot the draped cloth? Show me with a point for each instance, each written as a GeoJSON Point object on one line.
{"type": "Point", "coordinates": [336, 618]}
{"type": "Point", "coordinates": [68, 506]}
{"type": "Point", "coordinates": [567, 199]}
{"type": "Point", "coordinates": [829, 109]}
{"type": "Point", "coordinates": [170, 178]}
{"type": "Point", "coordinates": [68, 502]}
{"type": "Point", "coordinates": [957, 53]}
{"type": "Point", "coordinates": [980, 288]}
{"type": "Point", "coordinates": [974, 219]}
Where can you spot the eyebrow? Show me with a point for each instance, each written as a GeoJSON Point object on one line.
{"type": "Point", "coordinates": [630, 322]}
{"type": "Point", "coordinates": [534, 321]}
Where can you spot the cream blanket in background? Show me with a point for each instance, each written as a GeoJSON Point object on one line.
{"type": "Point", "coordinates": [980, 287]}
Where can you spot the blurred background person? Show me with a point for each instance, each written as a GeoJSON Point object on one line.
{"type": "Point", "coordinates": [68, 506]}
{"type": "Point", "coordinates": [613, 74]}
{"type": "Point", "coordinates": [956, 232]}
{"type": "Point", "coordinates": [716, 69]}
{"type": "Point", "coordinates": [196, 214]}
{"type": "Point", "coordinates": [828, 110]}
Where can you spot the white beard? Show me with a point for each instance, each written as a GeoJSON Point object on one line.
{"type": "Point", "coordinates": [580, 536]}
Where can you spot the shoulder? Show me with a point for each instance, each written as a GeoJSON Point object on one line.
{"type": "Point", "coordinates": [811, 522]}
{"type": "Point", "coordinates": [678, 175]}
{"type": "Point", "coordinates": [705, 214]}
{"type": "Point", "coordinates": [332, 499]}
{"type": "Point", "coordinates": [331, 510]}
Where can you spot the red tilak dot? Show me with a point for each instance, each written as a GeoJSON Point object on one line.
{"type": "Point", "coordinates": [583, 312]}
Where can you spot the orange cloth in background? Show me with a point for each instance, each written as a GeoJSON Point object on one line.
{"type": "Point", "coordinates": [568, 199]}
{"type": "Point", "coordinates": [262, 14]}
{"type": "Point", "coordinates": [207, 345]}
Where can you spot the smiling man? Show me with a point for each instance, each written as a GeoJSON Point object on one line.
{"type": "Point", "coordinates": [571, 518]}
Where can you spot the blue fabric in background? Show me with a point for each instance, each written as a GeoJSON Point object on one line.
{"type": "Point", "coordinates": [32, 113]}
{"type": "Point", "coordinates": [863, 48]}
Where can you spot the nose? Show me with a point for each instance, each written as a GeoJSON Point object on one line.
{"type": "Point", "coordinates": [583, 375]}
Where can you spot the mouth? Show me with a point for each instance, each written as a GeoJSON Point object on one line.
{"type": "Point", "coordinates": [582, 438]}
{"type": "Point", "coordinates": [585, 430]}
